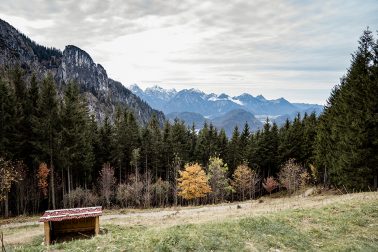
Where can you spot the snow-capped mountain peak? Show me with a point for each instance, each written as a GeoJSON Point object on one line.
{"type": "Point", "coordinates": [213, 105]}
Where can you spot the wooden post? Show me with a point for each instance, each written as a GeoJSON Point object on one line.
{"type": "Point", "coordinates": [97, 225]}
{"type": "Point", "coordinates": [47, 233]}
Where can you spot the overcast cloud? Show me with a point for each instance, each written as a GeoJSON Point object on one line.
{"type": "Point", "coordinates": [295, 49]}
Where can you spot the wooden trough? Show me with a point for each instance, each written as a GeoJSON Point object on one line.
{"type": "Point", "coordinates": [58, 223]}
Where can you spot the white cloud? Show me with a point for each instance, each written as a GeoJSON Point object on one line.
{"type": "Point", "coordinates": [288, 46]}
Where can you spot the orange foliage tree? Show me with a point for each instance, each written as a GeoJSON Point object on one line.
{"type": "Point", "coordinates": [270, 184]}
{"type": "Point", "coordinates": [244, 181]}
{"type": "Point", "coordinates": [193, 182]}
{"type": "Point", "coordinates": [43, 173]}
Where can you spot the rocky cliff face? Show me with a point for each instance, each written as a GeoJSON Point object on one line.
{"type": "Point", "coordinates": [102, 93]}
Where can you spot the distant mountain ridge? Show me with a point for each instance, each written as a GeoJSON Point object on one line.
{"type": "Point", "coordinates": [103, 94]}
{"type": "Point", "coordinates": [212, 105]}
{"type": "Point", "coordinates": [195, 106]}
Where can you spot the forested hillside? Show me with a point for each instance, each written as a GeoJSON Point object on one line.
{"type": "Point", "coordinates": [54, 154]}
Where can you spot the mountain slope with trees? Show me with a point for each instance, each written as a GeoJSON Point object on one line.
{"type": "Point", "coordinates": [73, 64]}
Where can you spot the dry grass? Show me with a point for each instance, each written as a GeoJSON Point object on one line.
{"type": "Point", "coordinates": [158, 219]}
{"type": "Point", "coordinates": [212, 213]}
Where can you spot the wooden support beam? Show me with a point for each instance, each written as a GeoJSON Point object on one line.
{"type": "Point", "coordinates": [97, 225]}
{"type": "Point", "coordinates": [47, 232]}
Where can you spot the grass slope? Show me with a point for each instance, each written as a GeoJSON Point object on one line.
{"type": "Point", "coordinates": [347, 226]}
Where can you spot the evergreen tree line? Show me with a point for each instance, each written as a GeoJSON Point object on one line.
{"type": "Point", "coordinates": [60, 156]}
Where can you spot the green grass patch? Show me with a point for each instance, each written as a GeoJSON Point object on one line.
{"type": "Point", "coordinates": [351, 226]}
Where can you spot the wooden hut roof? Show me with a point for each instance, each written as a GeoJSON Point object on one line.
{"type": "Point", "coordinates": [71, 213]}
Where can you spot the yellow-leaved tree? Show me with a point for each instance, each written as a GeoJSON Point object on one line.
{"type": "Point", "coordinates": [244, 181]}
{"type": "Point", "coordinates": [193, 182]}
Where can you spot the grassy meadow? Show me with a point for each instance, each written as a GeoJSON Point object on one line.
{"type": "Point", "coordinates": [350, 224]}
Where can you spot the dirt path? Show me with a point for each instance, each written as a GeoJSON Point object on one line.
{"type": "Point", "coordinates": [25, 232]}
{"type": "Point", "coordinates": [212, 213]}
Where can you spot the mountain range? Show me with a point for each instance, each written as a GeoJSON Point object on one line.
{"type": "Point", "coordinates": [73, 64]}
{"type": "Point", "coordinates": [224, 111]}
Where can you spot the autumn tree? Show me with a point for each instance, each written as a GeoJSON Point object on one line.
{"type": "Point", "coordinates": [193, 182]}
{"type": "Point", "coordinates": [244, 181]}
{"type": "Point", "coordinates": [292, 176]}
{"type": "Point", "coordinates": [270, 184]}
{"type": "Point", "coordinates": [219, 182]}
{"type": "Point", "coordinates": [8, 176]}
{"type": "Point", "coordinates": [42, 176]}
{"type": "Point", "coordinates": [107, 182]}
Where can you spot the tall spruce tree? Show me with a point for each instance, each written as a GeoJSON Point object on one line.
{"type": "Point", "coordinates": [76, 152]}
{"type": "Point", "coordinates": [234, 154]}
{"type": "Point", "coordinates": [47, 130]}
{"type": "Point", "coordinates": [347, 146]}
{"type": "Point", "coordinates": [7, 119]}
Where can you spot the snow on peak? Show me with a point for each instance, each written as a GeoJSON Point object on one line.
{"type": "Point", "coordinates": [135, 88]}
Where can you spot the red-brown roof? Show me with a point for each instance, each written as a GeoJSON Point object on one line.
{"type": "Point", "coordinates": [71, 213]}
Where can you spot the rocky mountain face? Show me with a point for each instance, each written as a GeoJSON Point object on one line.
{"type": "Point", "coordinates": [73, 64]}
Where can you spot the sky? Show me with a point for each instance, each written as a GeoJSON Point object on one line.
{"type": "Point", "coordinates": [280, 48]}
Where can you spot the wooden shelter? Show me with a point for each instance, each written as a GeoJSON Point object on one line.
{"type": "Point", "coordinates": [58, 223]}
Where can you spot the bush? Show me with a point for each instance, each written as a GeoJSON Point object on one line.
{"type": "Point", "coordinates": [130, 194]}
{"type": "Point", "coordinates": [292, 176]}
{"type": "Point", "coordinates": [80, 198]}
{"type": "Point", "coordinates": [107, 183]}
{"type": "Point", "coordinates": [270, 184]}
{"type": "Point", "coordinates": [161, 191]}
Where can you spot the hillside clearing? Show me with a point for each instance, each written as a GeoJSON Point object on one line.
{"type": "Point", "coordinates": [325, 222]}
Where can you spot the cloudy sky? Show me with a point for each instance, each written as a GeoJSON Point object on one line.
{"type": "Point", "coordinates": [285, 48]}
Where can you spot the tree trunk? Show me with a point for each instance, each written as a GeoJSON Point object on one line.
{"type": "Point", "coordinates": [68, 180]}
{"type": "Point", "coordinates": [6, 207]}
{"type": "Point", "coordinates": [52, 182]}
{"type": "Point", "coordinates": [120, 171]}
{"type": "Point", "coordinates": [52, 170]}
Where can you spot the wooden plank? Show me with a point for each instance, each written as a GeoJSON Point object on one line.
{"type": "Point", "coordinates": [47, 233]}
{"type": "Point", "coordinates": [97, 225]}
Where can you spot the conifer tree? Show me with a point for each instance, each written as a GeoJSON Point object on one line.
{"type": "Point", "coordinates": [46, 128]}
{"type": "Point", "coordinates": [234, 154]}
{"type": "Point", "coordinates": [222, 144]}
{"type": "Point", "coordinates": [346, 145]}
{"type": "Point", "coordinates": [17, 77]}
{"type": "Point", "coordinates": [7, 119]}
{"type": "Point", "coordinates": [244, 138]}
{"type": "Point", "coordinates": [32, 112]}
{"type": "Point", "coordinates": [75, 146]}
{"type": "Point", "coordinates": [105, 143]}
{"type": "Point", "coordinates": [202, 153]}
